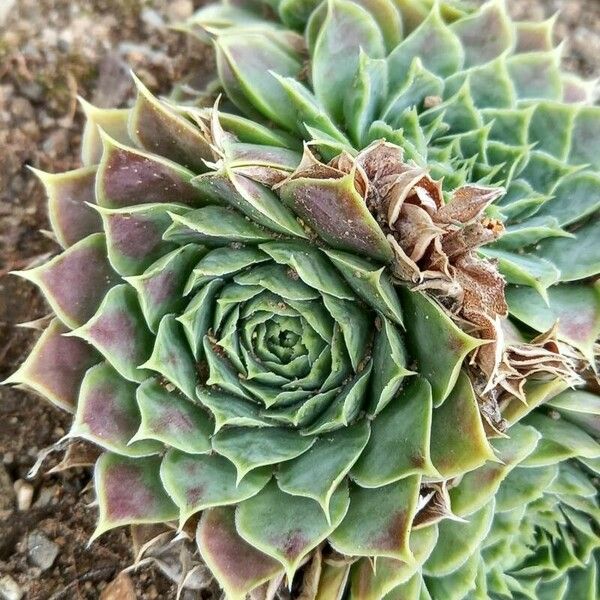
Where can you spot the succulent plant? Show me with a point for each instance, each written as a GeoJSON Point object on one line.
{"type": "Point", "coordinates": [333, 318]}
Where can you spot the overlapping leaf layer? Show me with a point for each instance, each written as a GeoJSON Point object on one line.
{"type": "Point", "coordinates": [289, 343]}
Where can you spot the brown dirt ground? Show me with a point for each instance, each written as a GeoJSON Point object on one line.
{"type": "Point", "coordinates": [51, 50]}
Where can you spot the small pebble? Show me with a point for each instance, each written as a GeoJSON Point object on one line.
{"type": "Point", "coordinates": [120, 588]}
{"type": "Point", "coordinates": [42, 552]}
{"type": "Point", "coordinates": [9, 589]}
{"type": "Point", "coordinates": [24, 492]}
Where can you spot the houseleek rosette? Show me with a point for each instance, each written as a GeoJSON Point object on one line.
{"type": "Point", "coordinates": [305, 347]}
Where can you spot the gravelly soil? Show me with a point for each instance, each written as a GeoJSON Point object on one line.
{"type": "Point", "coordinates": [50, 51]}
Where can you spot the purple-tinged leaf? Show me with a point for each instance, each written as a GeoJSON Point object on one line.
{"type": "Point", "coordinates": [288, 527]}
{"type": "Point", "coordinates": [172, 419]}
{"type": "Point", "coordinates": [198, 482]}
{"type": "Point", "coordinates": [130, 492]}
{"type": "Point", "coordinates": [127, 176]}
{"type": "Point", "coordinates": [172, 357]}
{"type": "Point", "coordinates": [119, 332]}
{"type": "Point", "coordinates": [156, 127]}
{"type": "Point", "coordinates": [113, 121]}
{"type": "Point", "coordinates": [68, 194]}
{"type": "Point", "coordinates": [337, 213]}
{"type": "Point", "coordinates": [108, 415]}
{"type": "Point", "coordinates": [458, 439]}
{"type": "Point", "coordinates": [56, 366]}
{"type": "Point", "coordinates": [160, 286]}
{"type": "Point", "coordinates": [134, 235]}
{"type": "Point", "coordinates": [75, 281]}
{"type": "Point", "coordinates": [534, 36]}
{"type": "Point", "coordinates": [237, 565]}
{"type": "Point", "coordinates": [379, 520]}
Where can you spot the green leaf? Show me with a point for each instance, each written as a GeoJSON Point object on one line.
{"type": "Point", "coordinates": [524, 485]}
{"type": "Point", "coordinates": [250, 448]}
{"type": "Point", "coordinates": [585, 136]}
{"type": "Point", "coordinates": [379, 521]}
{"type": "Point", "coordinates": [458, 439]}
{"type": "Point", "coordinates": [437, 343]}
{"type": "Point", "coordinates": [399, 444]}
{"type": "Point", "coordinates": [134, 235]}
{"type": "Point", "coordinates": [310, 265]}
{"type": "Point", "coordinates": [524, 269]}
{"type": "Point", "coordinates": [575, 257]}
{"type": "Point", "coordinates": [458, 541]}
{"type": "Point", "coordinates": [245, 60]}
{"type": "Point", "coordinates": [346, 30]}
{"type": "Point", "coordinates": [319, 471]}
{"type": "Point", "coordinates": [574, 198]}
{"type": "Point", "coordinates": [365, 99]}
{"type": "Point", "coordinates": [373, 582]}
{"type": "Point", "coordinates": [434, 43]}
{"type": "Point", "coordinates": [345, 408]}
{"type": "Point", "coordinates": [355, 325]}
{"type": "Point", "coordinates": [575, 307]}
{"type": "Point", "coordinates": [231, 410]}
{"type": "Point", "coordinates": [389, 367]}
{"type": "Point", "coordinates": [371, 283]}
{"type": "Point", "coordinates": [288, 527]}
{"type": "Point", "coordinates": [353, 228]}
{"type": "Point", "coordinates": [198, 316]}
{"type": "Point", "coordinates": [486, 34]}
{"type": "Point", "coordinates": [214, 225]}
{"type": "Point", "coordinates": [172, 357]}
{"type": "Point", "coordinates": [478, 487]}
{"type": "Point", "coordinates": [160, 287]}
{"type": "Point", "coordinates": [196, 482]}
{"type": "Point", "coordinates": [253, 199]}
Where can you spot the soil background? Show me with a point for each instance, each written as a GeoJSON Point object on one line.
{"type": "Point", "coordinates": [50, 52]}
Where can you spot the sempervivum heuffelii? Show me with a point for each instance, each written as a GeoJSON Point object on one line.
{"type": "Point", "coordinates": [333, 318]}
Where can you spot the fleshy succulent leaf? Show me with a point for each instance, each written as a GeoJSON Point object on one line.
{"type": "Point", "coordinates": [288, 527]}
{"type": "Point", "coordinates": [198, 482]}
{"type": "Point", "coordinates": [130, 491]}
{"type": "Point", "coordinates": [221, 546]}
{"type": "Point", "coordinates": [75, 281]}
